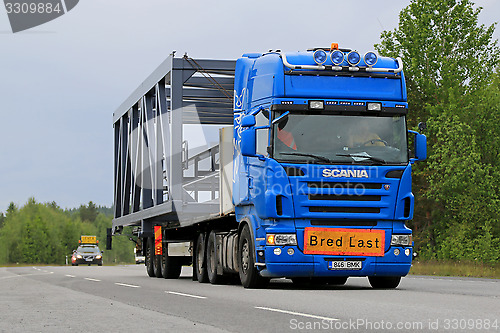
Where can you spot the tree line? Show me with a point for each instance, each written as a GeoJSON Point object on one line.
{"type": "Point", "coordinates": [451, 66]}
{"type": "Point", "coordinates": [43, 233]}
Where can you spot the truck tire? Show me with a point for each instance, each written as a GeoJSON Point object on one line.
{"type": "Point", "coordinates": [212, 261]}
{"type": "Point", "coordinates": [157, 259]}
{"type": "Point", "coordinates": [170, 266]}
{"type": "Point", "coordinates": [249, 276]}
{"type": "Point", "coordinates": [384, 282]}
{"type": "Point", "coordinates": [149, 257]}
{"type": "Point", "coordinates": [200, 259]}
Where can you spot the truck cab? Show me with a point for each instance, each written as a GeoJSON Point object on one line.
{"type": "Point", "coordinates": [322, 166]}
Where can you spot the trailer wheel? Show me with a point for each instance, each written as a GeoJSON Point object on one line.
{"type": "Point", "coordinates": [157, 259]}
{"type": "Point", "coordinates": [170, 266]}
{"type": "Point", "coordinates": [249, 276]}
{"type": "Point", "coordinates": [212, 261]}
{"type": "Point", "coordinates": [384, 282]}
{"type": "Point", "coordinates": [200, 259]}
{"type": "Point", "coordinates": [149, 257]}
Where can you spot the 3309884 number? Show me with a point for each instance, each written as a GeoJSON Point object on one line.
{"type": "Point", "coordinates": [32, 8]}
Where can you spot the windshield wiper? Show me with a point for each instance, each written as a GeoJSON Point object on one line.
{"type": "Point", "coordinates": [317, 157]}
{"type": "Point", "coordinates": [364, 156]}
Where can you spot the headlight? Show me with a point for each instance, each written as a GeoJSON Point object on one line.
{"type": "Point", "coordinates": [281, 239]}
{"type": "Point", "coordinates": [98, 256]}
{"type": "Point", "coordinates": [403, 240]}
{"type": "Point", "coordinates": [316, 105]}
{"type": "Point", "coordinates": [79, 256]}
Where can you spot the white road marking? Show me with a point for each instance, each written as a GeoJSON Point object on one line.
{"type": "Point", "coordinates": [126, 285]}
{"type": "Point", "coordinates": [22, 275]}
{"type": "Point", "coordinates": [187, 295]}
{"type": "Point", "coordinates": [71, 276]}
{"type": "Point", "coordinates": [297, 313]}
{"type": "Point", "coordinates": [90, 279]}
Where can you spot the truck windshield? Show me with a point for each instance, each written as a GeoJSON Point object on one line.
{"type": "Point", "coordinates": [343, 139]}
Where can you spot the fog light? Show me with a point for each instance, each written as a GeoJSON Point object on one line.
{"type": "Point", "coordinates": [396, 252]}
{"type": "Point", "coordinates": [290, 252]}
{"type": "Point", "coordinates": [407, 252]}
{"type": "Point", "coordinates": [277, 251]}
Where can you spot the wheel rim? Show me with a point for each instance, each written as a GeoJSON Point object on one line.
{"type": "Point", "coordinates": [245, 256]}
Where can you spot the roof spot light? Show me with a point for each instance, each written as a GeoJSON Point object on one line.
{"type": "Point", "coordinates": [353, 58]}
{"type": "Point", "coordinates": [370, 59]}
{"type": "Point", "coordinates": [320, 56]}
{"type": "Point", "coordinates": [337, 57]}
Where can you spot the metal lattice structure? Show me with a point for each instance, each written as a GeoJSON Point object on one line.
{"type": "Point", "coordinates": [155, 181]}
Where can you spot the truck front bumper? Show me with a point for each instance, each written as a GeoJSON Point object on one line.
{"type": "Point", "coordinates": [284, 263]}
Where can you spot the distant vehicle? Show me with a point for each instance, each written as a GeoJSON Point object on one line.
{"type": "Point", "coordinates": [87, 253]}
{"type": "Point", "coordinates": [139, 259]}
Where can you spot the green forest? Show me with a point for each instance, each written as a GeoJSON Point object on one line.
{"type": "Point", "coordinates": [451, 67]}
{"type": "Point", "coordinates": [45, 234]}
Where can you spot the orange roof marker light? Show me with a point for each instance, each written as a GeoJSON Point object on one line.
{"type": "Point", "coordinates": [334, 46]}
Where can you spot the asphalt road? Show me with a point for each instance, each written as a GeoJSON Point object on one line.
{"type": "Point", "coordinates": [123, 298]}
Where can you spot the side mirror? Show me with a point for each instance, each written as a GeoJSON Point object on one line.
{"type": "Point", "coordinates": [248, 121]}
{"type": "Point", "coordinates": [420, 146]}
{"type": "Point", "coordinates": [422, 127]}
{"type": "Point", "coordinates": [248, 142]}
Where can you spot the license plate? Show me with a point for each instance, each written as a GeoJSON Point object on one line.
{"type": "Point", "coordinates": [339, 241]}
{"type": "Point", "coordinates": [345, 265]}
{"type": "Point", "coordinates": [89, 259]}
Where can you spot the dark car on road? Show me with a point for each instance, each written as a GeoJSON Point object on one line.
{"type": "Point", "coordinates": [86, 255]}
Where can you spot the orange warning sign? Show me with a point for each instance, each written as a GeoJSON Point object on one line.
{"type": "Point", "coordinates": [338, 241]}
{"type": "Point", "coordinates": [158, 245]}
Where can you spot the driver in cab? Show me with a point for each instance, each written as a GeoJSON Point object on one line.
{"type": "Point", "coordinates": [362, 136]}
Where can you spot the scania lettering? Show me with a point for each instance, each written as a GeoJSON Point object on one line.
{"type": "Point", "coordinates": [345, 173]}
{"type": "Point", "coordinates": [278, 164]}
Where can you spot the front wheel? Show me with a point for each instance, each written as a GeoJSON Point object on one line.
{"type": "Point", "coordinates": [249, 276]}
{"type": "Point", "coordinates": [384, 282]}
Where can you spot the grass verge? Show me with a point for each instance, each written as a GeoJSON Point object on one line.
{"type": "Point", "coordinates": [456, 268]}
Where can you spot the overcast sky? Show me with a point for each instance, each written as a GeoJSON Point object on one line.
{"type": "Point", "coordinates": [61, 81]}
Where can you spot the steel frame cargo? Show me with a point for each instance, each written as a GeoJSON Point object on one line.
{"type": "Point", "coordinates": [150, 157]}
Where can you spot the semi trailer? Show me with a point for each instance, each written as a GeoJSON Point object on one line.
{"type": "Point", "coordinates": [309, 177]}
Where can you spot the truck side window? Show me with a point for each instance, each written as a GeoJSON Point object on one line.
{"type": "Point", "coordinates": [262, 138]}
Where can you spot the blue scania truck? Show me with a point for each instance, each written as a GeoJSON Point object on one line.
{"type": "Point", "coordinates": [309, 178]}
